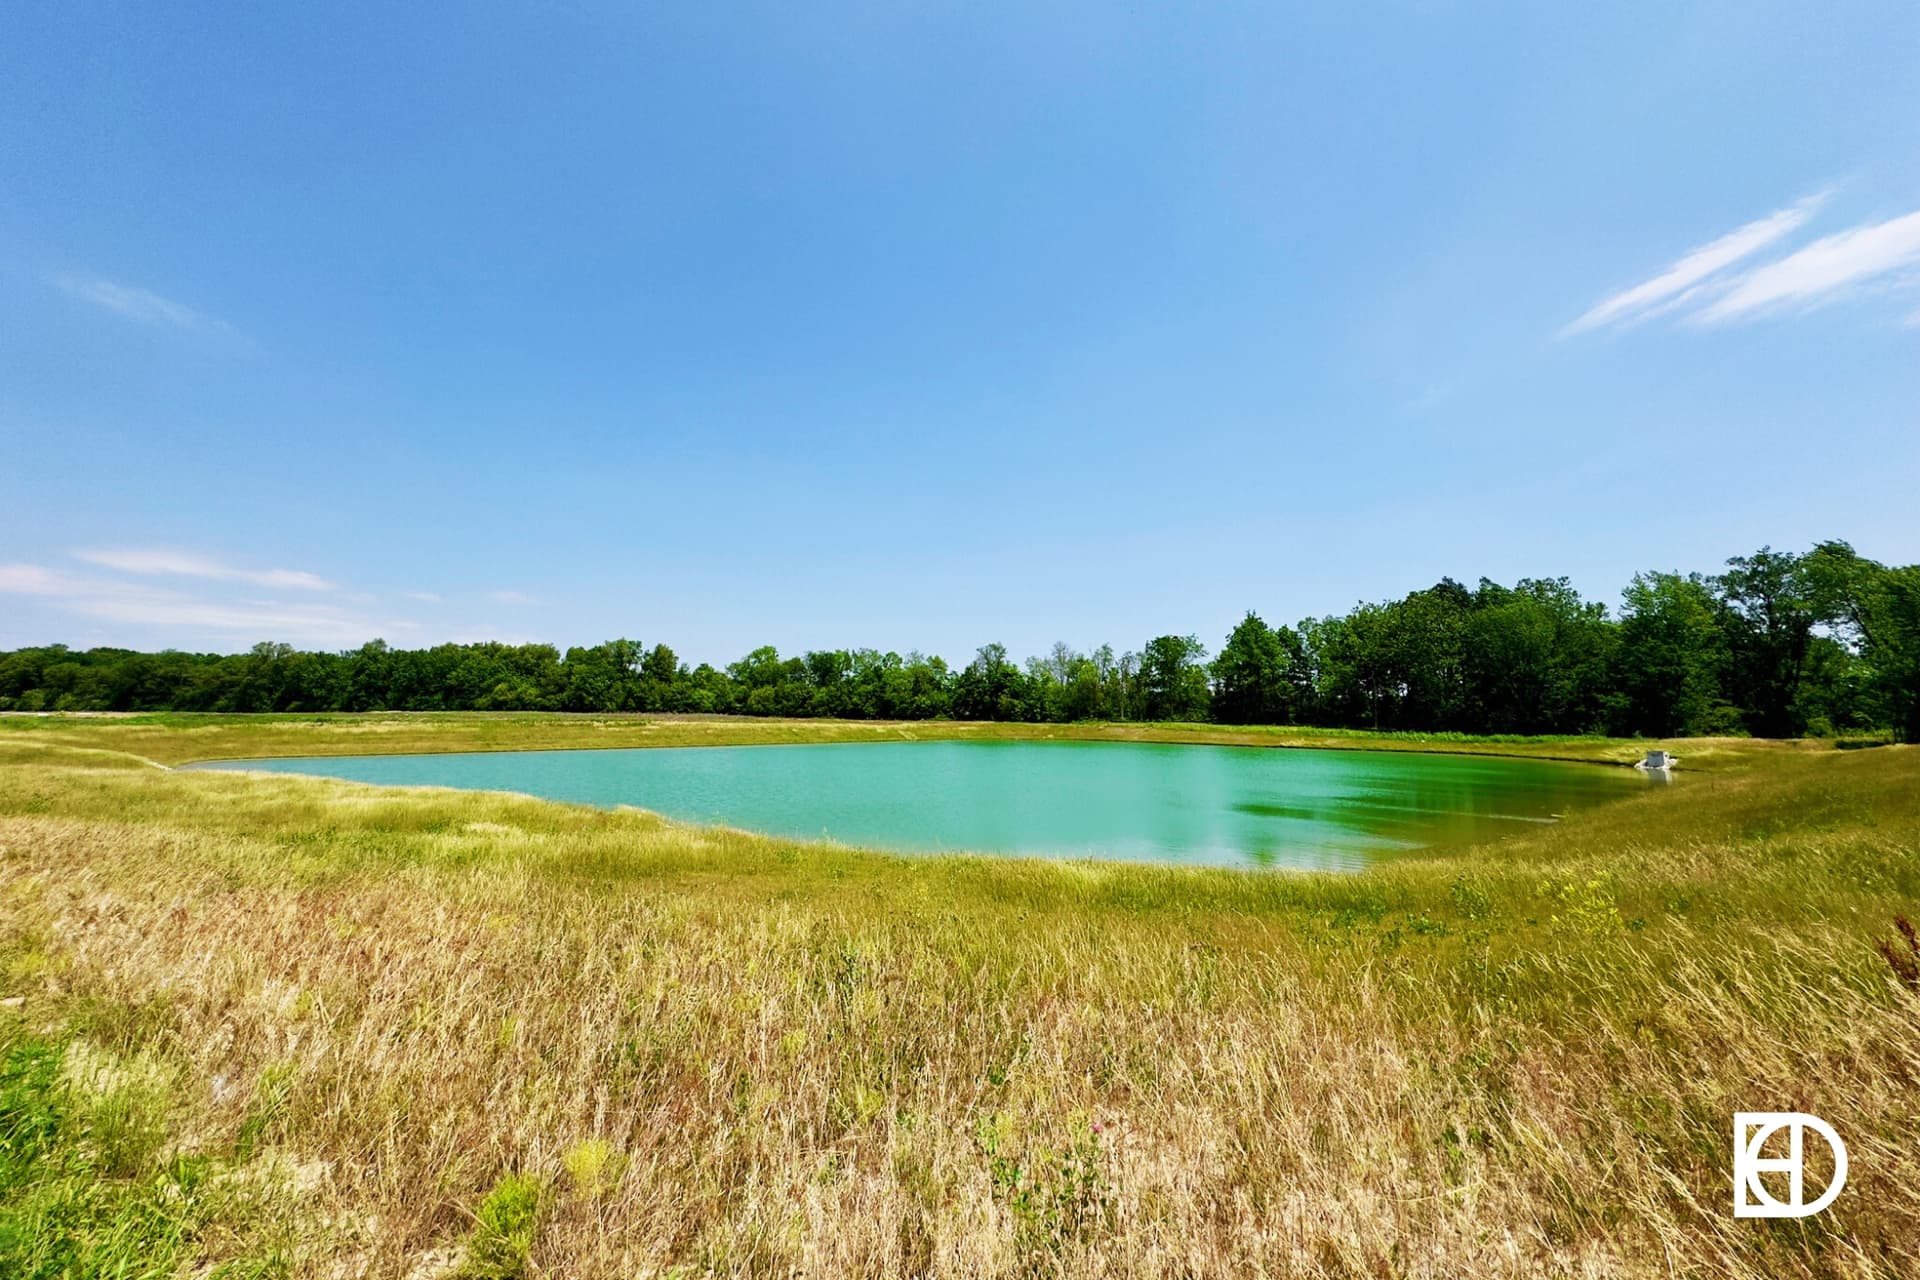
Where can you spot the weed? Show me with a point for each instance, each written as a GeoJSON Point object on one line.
{"type": "Point", "coordinates": [1587, 910]}
{"type": "Point", "coordinates": [503, 1230]}
{"type": "Point", "coordinates": [593, 1165]}
{"type": "Point", "coordinates": [1055, 1198]}
{"type": "Point", "coordinates": [1470, 899]}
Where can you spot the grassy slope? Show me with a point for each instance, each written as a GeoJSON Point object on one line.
{"type": "Point", "coordinates": [181, 739]}
{"type": "Point", "coordinates": [414, 1023]}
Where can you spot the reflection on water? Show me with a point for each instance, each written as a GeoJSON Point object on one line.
{"type": "Point", "coordinates": [1229, 806]}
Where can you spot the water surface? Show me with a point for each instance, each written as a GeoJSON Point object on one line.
{"type": "Point", "coordinates": [1222, 806]}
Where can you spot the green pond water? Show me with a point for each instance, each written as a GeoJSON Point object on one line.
{"type": "Point", "coordinates": [1219, 806]}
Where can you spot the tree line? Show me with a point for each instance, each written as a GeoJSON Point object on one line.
{"type": "Point", "coordinates": [1777, 644]}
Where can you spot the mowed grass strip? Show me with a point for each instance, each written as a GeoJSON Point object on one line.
{"type": "Point", "coordinates": [435, 1032]}
{"type": "Point", "coordinates": [181, 738]}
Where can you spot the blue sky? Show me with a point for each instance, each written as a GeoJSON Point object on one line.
{"type": "Point", "coordinates": [923, 326]}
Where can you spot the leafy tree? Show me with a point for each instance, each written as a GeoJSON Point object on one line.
{"type": "Point", "coordinates": [1672, 658]}
{"type": "Point", "coordinates": [602, 678]}
{"type": "Point", "coordinates": [1252, 677]}
{"type": "Point", "coordinates": [1116, 677]}
{"type": "Point", "coordinates": [992, 688]}
{"type": "Point", "coordinates": [1768, 608]}
{"type": "Point", "coordinates": [709, 690]}
{"type": "Point", "coordinates": [829, 676]}
{"type": "Point", "coordinates": [1173, 681]}
{"type": "Point", "coordinates": [1066, 684]}
{"type": "Point", "coordinates": [1420, 652]}
{"type": "Point", "coordinates": [1536, 659]}
{"type": "Point", "coordinates": [660, 666]}
{"type": "Point", "coordinates": [1879, 609]}
{"type": "Point", "coordinates": [1776, 644]}
{"type": "Point", "coordinates": [921, 689]}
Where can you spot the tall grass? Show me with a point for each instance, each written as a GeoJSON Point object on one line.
{"type": "Point", "coordinates": [437, 1033]}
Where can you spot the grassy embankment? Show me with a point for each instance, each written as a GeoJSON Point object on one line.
{"type": "Point", "coordinates": [298, 1026]}
{"type": "Point", "coordinates": [173, 739]}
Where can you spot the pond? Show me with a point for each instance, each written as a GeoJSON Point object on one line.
{"type": "Point", "coordinates": [1206, 805]}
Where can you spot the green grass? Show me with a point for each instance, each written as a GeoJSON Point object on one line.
{"type": "Point", "coordinates": [172, 739]}
{"type": "Point", "coordinates": [503, 1230]}
{"type": "Point", "coordinates": [480, 1030]}
{"type": "Point", "coordinates": [89, 1186]}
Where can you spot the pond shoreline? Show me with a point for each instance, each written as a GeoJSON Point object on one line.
{"type": "Point", "coordinates": [1161, 802]}
{"type": "Point", "coordinates": [173, 739]}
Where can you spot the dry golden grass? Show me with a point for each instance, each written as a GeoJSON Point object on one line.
{"type": "Point", "coordinates": [710, 1053]}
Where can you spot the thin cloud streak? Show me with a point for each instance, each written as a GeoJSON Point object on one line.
{"type": "Point", "coordinates": [139, 603]}
{"type": "Point", "coordinates": [157, 561]}
{"type": "Point", "coordinates": [28, 580]}
{"type": "Point", "coordinates": [141, 305]}
{"type": "Point", "coordinates": [1822, 271]}
{"type": "Point", "coordinates": [1695, 267]}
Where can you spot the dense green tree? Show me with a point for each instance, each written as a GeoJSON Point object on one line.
{"type": "Point", "coordinates": [1395, 665]}
{"type": "Point", "coordinates": [1878, 608]}
{"type": "Point", "coordinates": [766, 685]}
{"type": "Point", "coordinates": [602, 678]}
{"type": "Point", "coordinates": [1066, 684]}
{"type": "Point", "coordinates": [1079, 695]}
{"type": "Point", "coordinates": [1116, 676]}
{"type": "Point", "coordinates": [1536, 659]}
{"type": "Point", "coordinates": [1173, 679]}
{"type": "Point", "coordinates": [829, 675]}
{"type": "Point", "coordinates": [1253, 676]}
{"type": "Point", "coordinates": [1421, 656]}
{"type": "Point", "coordinates": [1778, 643]}
{"type": "Point", "coordinates": [1672, 658]}
{"type": "Point", "coordinates": [1769, 606]}
{"type": "Point", "coordinates": [921, 688]}
{"type": "Point", "coordinates": [992, 688]}
{"type": "Point", "coordinates": [708, 690]}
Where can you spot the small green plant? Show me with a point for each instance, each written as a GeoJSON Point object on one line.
{"type": "Point", "coordinates": [503, 1230]}
{"type": "Point", "coordinates": [1587, 910]}
{"type": "Point", "coordinates": [1470, 899]}
{"type": "Point", "coordinates": [593, 1165]}
{"type": "Point", "coordinates": [128, 1127]}
{"type": "Point", "coordinates": [269, 1102]}
{"type": "Point", "coordinates": [1480, 976]}
{"type": "Point", "coordinates": [1054, 1197]}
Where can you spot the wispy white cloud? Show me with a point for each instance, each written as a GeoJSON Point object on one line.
{"type": "Point", "coordinates": [159, 561]}
{"type": "Point", "coordinates": [142, 305]}
{"type": "Point", "coordinates": [510, 597]}
{"type": "Point", "coordinates": [424, 597]}
{"type": "Point", "coordinates": [145, 604]}
{"type": "Point", "coordinates": [1696, 267]}
{"type": "Point", "coordinates": [28, 580]}
{"type": "Point", "coordinates": [1823, 271]}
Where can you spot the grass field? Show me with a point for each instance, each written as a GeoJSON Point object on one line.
{"type": "Point", "coordinates": [256, 1025]}
{"type": "Point", "coordinates": [182, 739]}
